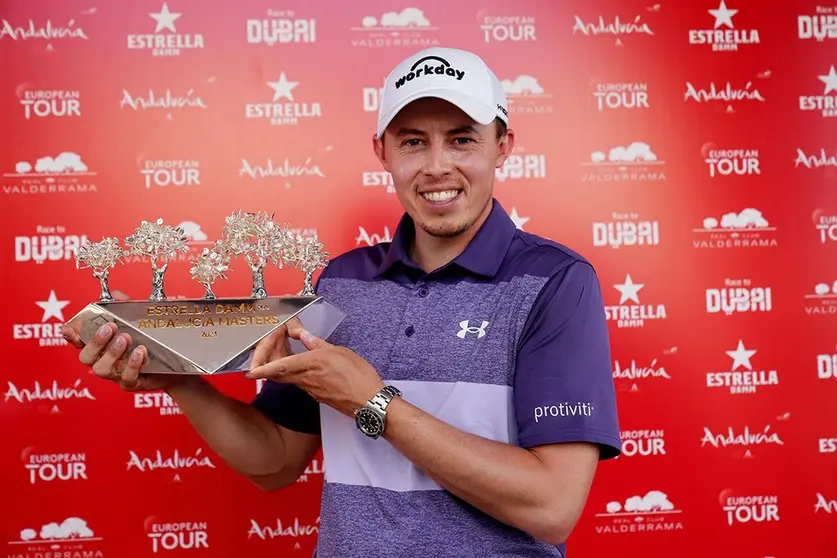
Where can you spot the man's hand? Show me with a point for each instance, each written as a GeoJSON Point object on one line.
{"type": "Point", "coordinates": [332, 375]}
{"type": "Point", "coordinates": [105, 354]}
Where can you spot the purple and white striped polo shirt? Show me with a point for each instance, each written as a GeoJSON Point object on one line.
{"type": "Point", "coordinates": [509, 342]}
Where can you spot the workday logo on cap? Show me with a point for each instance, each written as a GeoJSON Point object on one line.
{"type": "Point", "coordinates": [457, 76]}
{"type": "Point", "coordinates": [425, 66]}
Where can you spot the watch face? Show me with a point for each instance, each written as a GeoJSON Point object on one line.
{"type": "Point", "coordinates": [369, 421]}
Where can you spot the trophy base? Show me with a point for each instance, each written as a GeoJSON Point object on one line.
{"type": "Point", "coordinates": [206, 336]}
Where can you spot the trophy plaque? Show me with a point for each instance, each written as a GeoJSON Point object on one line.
{"type": "Point", "coordinates": [208, 335]}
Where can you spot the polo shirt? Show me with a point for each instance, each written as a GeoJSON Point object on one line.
{"type": "Point", "coordinates": [509, 341]}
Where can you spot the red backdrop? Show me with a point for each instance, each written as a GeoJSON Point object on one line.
{"type": "Point", "coordinates": [686, 148]}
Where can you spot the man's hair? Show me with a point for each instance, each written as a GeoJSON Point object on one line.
{"type": "Point", "coordinates": [501, 128]}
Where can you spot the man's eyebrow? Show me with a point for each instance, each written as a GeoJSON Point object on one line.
{"type": "Point", "coordinates": [409, 132]}
{"type": "Point", "coordinates": [467, 129]}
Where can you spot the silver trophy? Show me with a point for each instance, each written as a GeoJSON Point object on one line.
{"type": "Point", "coordinates": [207, 335]}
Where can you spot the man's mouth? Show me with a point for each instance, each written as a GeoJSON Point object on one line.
{"type": "Point", "coordinates": [440, 196]}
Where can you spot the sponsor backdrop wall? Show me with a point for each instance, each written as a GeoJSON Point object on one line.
{"type": "Point", "coordinates": [687, 149]}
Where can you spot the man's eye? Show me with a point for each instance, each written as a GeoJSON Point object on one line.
{"type": "Point", "coordinates": [412, 142]}
{"type": "Point", "coordinates": [463, 141]}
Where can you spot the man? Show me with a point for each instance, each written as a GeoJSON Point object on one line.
{"type": "Point", "coordinates": [465, 401]}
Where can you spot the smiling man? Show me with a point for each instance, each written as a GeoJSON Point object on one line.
{"type": "Point", "coordinates": [464, 403]}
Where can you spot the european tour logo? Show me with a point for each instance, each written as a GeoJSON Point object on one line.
{"type": "Point", "coordinates": [443, 68]}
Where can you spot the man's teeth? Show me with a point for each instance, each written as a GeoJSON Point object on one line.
{"type": "Point", "coordinates": [440, 196]}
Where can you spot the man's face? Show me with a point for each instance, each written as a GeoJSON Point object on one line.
{"type": "Point", "coordinates": [442, 165]}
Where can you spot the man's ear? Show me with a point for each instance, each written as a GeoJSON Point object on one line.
{"type": "Point", "coordinates": [505, 147]}
{"type": "Point", "coordinates": [378, 147]}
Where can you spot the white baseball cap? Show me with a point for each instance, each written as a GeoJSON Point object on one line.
{"type": "Point", "coordinates": [457, 76]}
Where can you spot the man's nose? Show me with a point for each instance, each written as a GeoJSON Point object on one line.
{"type": "Point", "coordinates": [439, 161]}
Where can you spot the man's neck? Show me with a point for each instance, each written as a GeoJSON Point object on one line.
{"type": "Point", "coordinates": [432, 252]}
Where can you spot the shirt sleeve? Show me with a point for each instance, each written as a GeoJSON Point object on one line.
{"type": "Point", "coordinates": [289, 406]}
{"type": "Point", "coordinates": [563, 385]}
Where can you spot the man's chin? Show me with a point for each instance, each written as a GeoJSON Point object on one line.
{"type": "Point", "coordinates": [444, 228]}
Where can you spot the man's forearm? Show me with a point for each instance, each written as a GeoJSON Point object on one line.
{"type": "Point", "coordinates": [506, 482]}
{"type": "Point", "coordinates": [241, 435]}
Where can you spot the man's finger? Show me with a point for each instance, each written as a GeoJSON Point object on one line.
{"type": "Point", "coordinates": [119, 296]}
{"type": "Point", "coordinates": [105, 366]}
{"type": "Point", "coordinates": [72, 337]}
{"type": "Point", "coordinates": [90, 353]}
{"type": "Point", "coordinates": [308, 339]}
{"type": "Point", "coordinates": [283, 367]}
{"type": "Point", "coordinates": [130, 376]}
{"type": "Point", "coordinates": [266, 346]}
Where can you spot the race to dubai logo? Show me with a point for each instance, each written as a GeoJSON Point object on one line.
{"type": "Point", "coordinates": [48, 243]}
{"type": "Point", "coordinates": [409, 28]}
{"type": "Point", "coordinates": [625, 230]}
{"type": "Point", "coordinates": [522, 165]}
{"type": "Point", "coordinates": [827, 366]}
{"type": "Point", "coordinates": [653, 512]}
{"type": "Point", "coordinates": [723, 37]}
{"type": "Point", "coordinates": [165, 40]}
{"type": "Point", "coordinates": [737, 296]}
{"type": "Point", "coordinates": [725, 95]}
{"type": "Point", "coordinates": [281, 27]}
{"type": "Point", "coordinates": [176, 535]}
{"type": "Point", "coordinates": [820, 25]}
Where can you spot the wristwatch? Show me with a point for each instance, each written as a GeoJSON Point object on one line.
{"type": "Point", "coordinates": [371, 419]}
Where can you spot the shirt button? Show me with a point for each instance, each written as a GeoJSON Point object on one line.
{"type": "Point", "coordinates": [423, 292]}
{"type": "Point", "coordinates": [410, 331]}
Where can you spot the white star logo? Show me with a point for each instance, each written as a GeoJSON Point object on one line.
{"type": "Point", "coordinates": [741, 356]}
{"type": "Point", "coordinates": [830, 81]}
{"type": "Point", "coordinates": [282, 88]}
{"type": "Point", "coordinates": [629, 290]}
{"type": "Point", "coordinates": [52, 307]}
{"type": "Point", "coordinates": [165, 19]}
{"type": "Point", "coordinates": [517, 219]}
{"type": "Point", "coordinates": [723, 15]}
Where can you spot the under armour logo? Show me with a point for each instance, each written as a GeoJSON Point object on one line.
{"type": "Point", "coordinates": [465, 329]}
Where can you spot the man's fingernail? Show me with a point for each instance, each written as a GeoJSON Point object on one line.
{"type": "Point", "coordinates": [306, 336]}
{"type": "Point", "coordinates": [103, 332]}
{"type": "Point", "coordinates": [136, 355]}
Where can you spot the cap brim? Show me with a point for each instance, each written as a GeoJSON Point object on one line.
{"type": "Point", "coordinates": [479, 112]}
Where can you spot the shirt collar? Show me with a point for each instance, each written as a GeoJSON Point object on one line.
{"type": "Point", "coordinates": [483, 255]}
